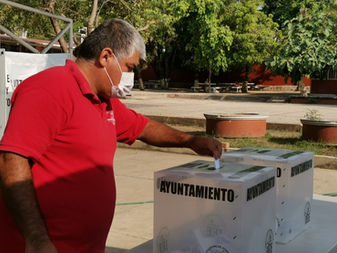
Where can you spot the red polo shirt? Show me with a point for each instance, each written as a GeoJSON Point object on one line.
{"type": "Point", "coordinates": [71, 137]}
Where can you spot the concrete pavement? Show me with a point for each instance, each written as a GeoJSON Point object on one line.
{"type": "Point", "coordinates": [134, 168]}
{"type": "Point", "coordinates": [191, 105]}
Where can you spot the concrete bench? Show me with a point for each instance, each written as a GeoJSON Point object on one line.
{"type": "Point", "coordinates": [152, 84]}
{"type": "Point", "coordinates": [197, 88]}
{"type": "Point", "coordinates": [205, 87]}
{"type": "Point", "coordinates": [236, 88]}
{"type": "Point", "coordinates": [224, 87]}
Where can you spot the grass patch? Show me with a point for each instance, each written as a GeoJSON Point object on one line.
{"type": "Point", "coordinates": [284, 140]}
{"type": "Point", "coordinates": [273, 139]}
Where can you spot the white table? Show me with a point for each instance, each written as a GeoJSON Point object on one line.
{"type": "Point", "coordinates": [320, 237]}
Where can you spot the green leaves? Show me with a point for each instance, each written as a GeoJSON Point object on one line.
{"type": "Point", "coordinates": [255, 35]}
{"type": "Point", "coordinates": [285, 10]}
{"type": "Point", "coordinates": [206, 39]}
{"type": "Point", "coordinates": [38, 26]}
{"type": "Point", "coordinates": [211, 34]}
{"type": "Point", "coordinates": [308, 49]}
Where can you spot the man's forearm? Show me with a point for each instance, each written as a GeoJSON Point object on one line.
{"type": "Point", "coordinates": [20, 198]}
{"type": "Point", "coordinates": [160, 135]}
{"type": "Point", "coordinates": [163, 136]}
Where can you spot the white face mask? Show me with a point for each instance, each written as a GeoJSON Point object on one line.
{"type": "Point", "coordinates": [125, 84]}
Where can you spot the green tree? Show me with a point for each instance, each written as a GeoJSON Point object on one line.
{"type": "Point", "coordinates": [308, 49]}
{"type": "Point", "coordinates": [285, 10]}
{"type": "Point", "coordinates": [161, 38]}
{"type": "Point", "coordinates": [255, 35]}
{"type": "Point", "coordinates": [203, 36]}
{"type": "Point", "coordinates": [332, 13]}
{"type": "Point", "coordinates": [41, 27]}
{"type": "Point", "coordinates": [155, 20]}
{"type": "Point", "coordinates": [19, 21]}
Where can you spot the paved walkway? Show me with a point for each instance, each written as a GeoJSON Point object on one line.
{"type": "Point", "coordinates": [184, 105]}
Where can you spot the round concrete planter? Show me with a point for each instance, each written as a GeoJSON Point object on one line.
{"type": "Point", "coordinates": [236, 125]}
{"type": "Point", "coordinates": [320, 131]}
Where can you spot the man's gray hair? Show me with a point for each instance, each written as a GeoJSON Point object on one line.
{"type": "Point", "coordinates": [117, 34]}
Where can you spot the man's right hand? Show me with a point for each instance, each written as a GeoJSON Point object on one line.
{"type": "Point", "coordinates": [45, 247]}
{"type": "Point", "coordinates": [18, 193]}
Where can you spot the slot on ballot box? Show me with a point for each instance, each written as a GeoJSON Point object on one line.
{"type": "Point", "coordinates": [198, 209]}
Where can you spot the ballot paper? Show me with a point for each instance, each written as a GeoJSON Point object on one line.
{"type": "Point", "coordinates": [217, 164]}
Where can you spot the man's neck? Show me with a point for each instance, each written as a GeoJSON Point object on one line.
{"type": "Point", "coordinates": [89, 69]}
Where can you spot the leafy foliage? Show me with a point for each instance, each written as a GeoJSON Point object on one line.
{"type": "Point", "coordinates": [38, 26]}
{"type": "Point", "coordinates": [19, 21]}
{"type": "Point", "coordinates": [255, 34]}
{"type": "Point", "coordinates": [285, 10]}
{"type": "Point", "coordinates": [313, 114]}
{"type": "Point", "coordinates": [203, 36]}
{"type": "Point", "coordinates": [308, 48]}
{"type": "Point", "coordinates": [211, 35]}
{"type": "Point", "coordinates": [332, 13]}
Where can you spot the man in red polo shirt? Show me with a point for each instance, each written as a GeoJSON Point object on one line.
{"type": "Point", "coordinates": [56, 162]}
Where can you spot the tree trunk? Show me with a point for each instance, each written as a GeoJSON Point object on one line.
{"type": "Point", "coordinates": [161, 69]}
{"type": "Point", "coordinates": [209, 79]}
{"type": "Point", "coordinates": [166, 71]}
{"type": "Point", "coordinates": [141, 83]}
{"type": "Point", "coordinates": [301, 87]}
{"type": "Point", "coordinates": [166, 81]}
{"type": "Point", "coordinates": [196, 79]}
{"type": "Point", "coordinates": [51, 9]}
{"type": "Point", "coordinates": [138, 72]}
{"type": "Point", "coordinates": [244, 87]}
{"type": "Point", "coordinates": [92, 16]}
{"type": "Point", "coordinates": [162, 83]}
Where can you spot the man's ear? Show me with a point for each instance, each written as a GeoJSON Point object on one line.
{"type": "Point", "coordinates": [105, 56]}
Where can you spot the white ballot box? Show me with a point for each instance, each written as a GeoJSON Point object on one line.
{"type": "Point", "coordinates": [294, 185]}
{"type": "Point", "coordinates": [16, 67]}
{"type": "Point", "coordinates": [200, 210]}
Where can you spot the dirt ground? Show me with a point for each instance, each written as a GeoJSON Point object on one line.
{"type": "Point", "coordinates": [325, 181]}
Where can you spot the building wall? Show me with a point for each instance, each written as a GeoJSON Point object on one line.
{"type": "Point", "coordinates": [324, 87]}
{"type": "Point", "coordinates": [262, 76]}
{"type": "Point", "coordinates": [258, 75]}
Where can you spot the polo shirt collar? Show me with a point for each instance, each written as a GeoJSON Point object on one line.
{"type": "Point", "coordinates": [81, 80]}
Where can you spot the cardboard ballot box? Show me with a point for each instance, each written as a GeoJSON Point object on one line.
{"type": "Point", "coordinates": [294, 185]}
{"type": "Point", "coordinates": [200, 210]}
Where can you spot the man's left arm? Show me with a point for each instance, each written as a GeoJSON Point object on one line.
{"type": "Point", "coordinates": [160, 135]}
